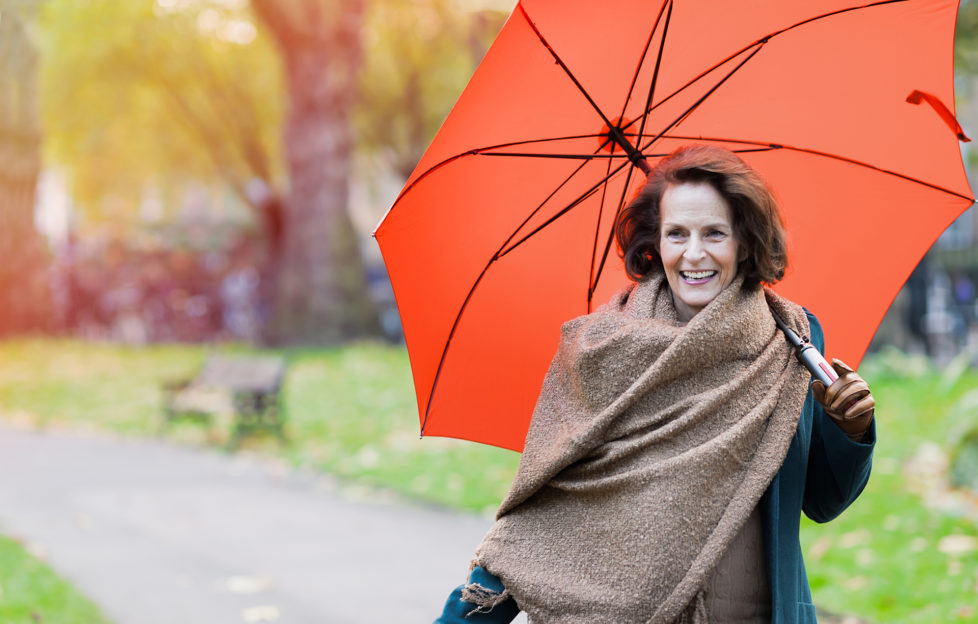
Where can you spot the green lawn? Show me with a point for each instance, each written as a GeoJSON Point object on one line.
{"type": "Point", "coordinates": [30, 593]}
{"type": "Point", "coordinates": [891, 558]}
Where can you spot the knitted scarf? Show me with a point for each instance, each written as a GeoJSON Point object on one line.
{"type": "Point", "coordinates": [650, 444]}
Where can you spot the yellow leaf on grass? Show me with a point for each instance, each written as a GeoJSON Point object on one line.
{"type": "Point", "coordinates": [957, 544]}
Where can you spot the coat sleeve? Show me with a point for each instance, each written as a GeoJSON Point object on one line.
{"type": "Point", "coordinates": [458, 611]}
{"type": "Point", "coordinates": [838, 468]}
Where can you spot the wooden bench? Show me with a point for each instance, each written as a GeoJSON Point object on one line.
{"type": "Point", "coordinates": [249, 387]}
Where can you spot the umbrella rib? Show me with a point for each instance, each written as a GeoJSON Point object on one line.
{"type": "Point", "coordinates": [448, 342]}
{"type": "Point", "coordinates": [762, 40]}
{"type": "Point", "coordinates": [614, 131]}
{"type": "Point", "coordinates": [596, 276]}
{"type": "Point", "coordinates": [499, 254]}
{"type": "Point", "coordinates": [482, 151]}
{"type": "Point", "coordinates": [563, 66]}
{"type": "Point", "coordinates": [580, 198]}
{"type": "Point", "coordinates": [655, 76]}
{"type": "Point", "coordinates": [767, 146]}
{"type": "Point", "coordinates": [881, 170]}
{"type": "Point", "coordinates": [567, 156]}
{"type": "Point", "coordinates": [597, 230]}
{"type": "Point", "coordinates": [645, 51]}
{"type": "Point", "coordinates": [702, 98]}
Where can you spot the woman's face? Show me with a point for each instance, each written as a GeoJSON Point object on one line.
{"type": "Point", "coordinates": [697, 244]}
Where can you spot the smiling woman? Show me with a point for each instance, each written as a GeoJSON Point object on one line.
{"type": "Point", "coordinates": [697, 244]}
{"type": "Point", "coordinates": [676, 440]}
{"type": "Point", "coordinates": [734, 197]}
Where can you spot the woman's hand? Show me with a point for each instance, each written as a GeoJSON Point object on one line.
{"type": "Point", "coordinates": [848, 401]}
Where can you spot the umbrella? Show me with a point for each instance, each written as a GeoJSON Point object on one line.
{"type": "Point", "coordinates": [504, 230]}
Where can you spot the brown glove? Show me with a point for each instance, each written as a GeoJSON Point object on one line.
{"type": "Point", "coordinates": [848, 401]}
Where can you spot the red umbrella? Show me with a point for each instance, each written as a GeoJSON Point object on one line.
{"type": "Point", "coordinates": [504, 229]}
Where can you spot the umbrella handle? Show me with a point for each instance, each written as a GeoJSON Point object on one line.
{"type": "Point", "coordinates": [816, 364]}
{"type": "Point", "coordinates": [807, 354]}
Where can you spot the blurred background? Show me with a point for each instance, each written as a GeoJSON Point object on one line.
{"type": "Point", "coordinates": [181, 179]}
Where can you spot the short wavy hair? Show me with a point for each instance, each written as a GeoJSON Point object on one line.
{"type": "Point", "coordinates": [757, 221]}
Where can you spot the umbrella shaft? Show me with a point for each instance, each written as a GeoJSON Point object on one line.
{"type": "Point", "coordinates": [637, 158]}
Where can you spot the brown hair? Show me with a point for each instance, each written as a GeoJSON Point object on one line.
{"type": "Point", "coordinates": [756, 219]}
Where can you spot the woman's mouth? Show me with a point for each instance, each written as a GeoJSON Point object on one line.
{"type": "Point", "coordinates": [697, 277]}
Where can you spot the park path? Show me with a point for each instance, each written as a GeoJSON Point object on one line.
{"type": "Point", "coordinates": [157, 533]}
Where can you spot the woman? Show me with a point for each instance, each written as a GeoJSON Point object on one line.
{"type": "Point", "coordinates": [676, 440]}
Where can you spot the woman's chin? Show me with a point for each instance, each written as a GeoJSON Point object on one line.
{"type": "Point", "coordinates": [698, 299]}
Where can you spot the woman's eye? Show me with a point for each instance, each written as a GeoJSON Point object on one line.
{"type": "Point", "coordinates": [674, 235]}
{"type": "Point", "coordinates": [716, 235]}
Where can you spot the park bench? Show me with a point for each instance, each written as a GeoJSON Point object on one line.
{"type": "Point", "coordinates": [248, 387]}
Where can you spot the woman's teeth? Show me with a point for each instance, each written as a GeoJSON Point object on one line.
{"type": "Point", "coordinates": [697, 275]}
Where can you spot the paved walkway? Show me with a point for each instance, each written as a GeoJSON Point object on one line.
{"type": "Point", "coordinates": [157, 533]}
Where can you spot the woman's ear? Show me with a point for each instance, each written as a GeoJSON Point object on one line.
{"type": "Point", "coordinates": [741, 253]}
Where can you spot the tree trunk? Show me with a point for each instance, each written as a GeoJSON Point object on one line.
{"type": "Point", "coordinates": [24, 293]}
{"type": "Point", "coordinates": [322, 292]}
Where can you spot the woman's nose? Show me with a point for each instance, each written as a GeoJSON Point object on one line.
{"type": "Point", "coordinates": [694, 249]}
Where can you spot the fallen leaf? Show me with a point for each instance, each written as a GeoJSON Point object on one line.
{"type": "Point", "coordinates": [957, 544]}
{"type": "Point", "coordinates": [819, 548]}
{"type": "Point", "coordinates": [248, 584]}
{"type": "Point", "coordinates": [261, 613]}
{"type": "Point", "coordinates": [854, 538]}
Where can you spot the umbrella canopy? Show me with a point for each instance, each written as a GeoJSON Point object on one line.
{"type": "Point", "coordinates": [504, 230]}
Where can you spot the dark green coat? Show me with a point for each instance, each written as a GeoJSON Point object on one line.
{"type": "Point", "coordinates": [823, 473]}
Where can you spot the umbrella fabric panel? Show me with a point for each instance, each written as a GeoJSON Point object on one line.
{"type": "Point", "coordinates": [436, 257]}
{"type": "Point", "coordinates": [474, 397]}
{"type": "Point", "coordinates": [850, 276]}
{"type": "Point", "coordinates": [848, 97]}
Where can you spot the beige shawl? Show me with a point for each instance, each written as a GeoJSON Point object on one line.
{"type": "Point", "coordinates": [650, 444]}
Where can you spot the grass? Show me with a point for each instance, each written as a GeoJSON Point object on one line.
{"type": "Point", "coordinates": [907, 551]}
{"type": "Point", "coordinates": [30, 593]}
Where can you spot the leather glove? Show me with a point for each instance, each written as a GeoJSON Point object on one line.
{"type": "Point", "coordinates": [848, 401]}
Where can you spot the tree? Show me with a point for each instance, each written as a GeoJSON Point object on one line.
{"type": "Point", "coordinates": [322, 297]}
{"type": "Point", "coordinates": [150, 95]}
{"type": "Point", "coordinates": [24, 296]}
{"type": "Point", "coordinates": [419, 54]}
{"type": "Point", "coordinates": [147, 98]}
